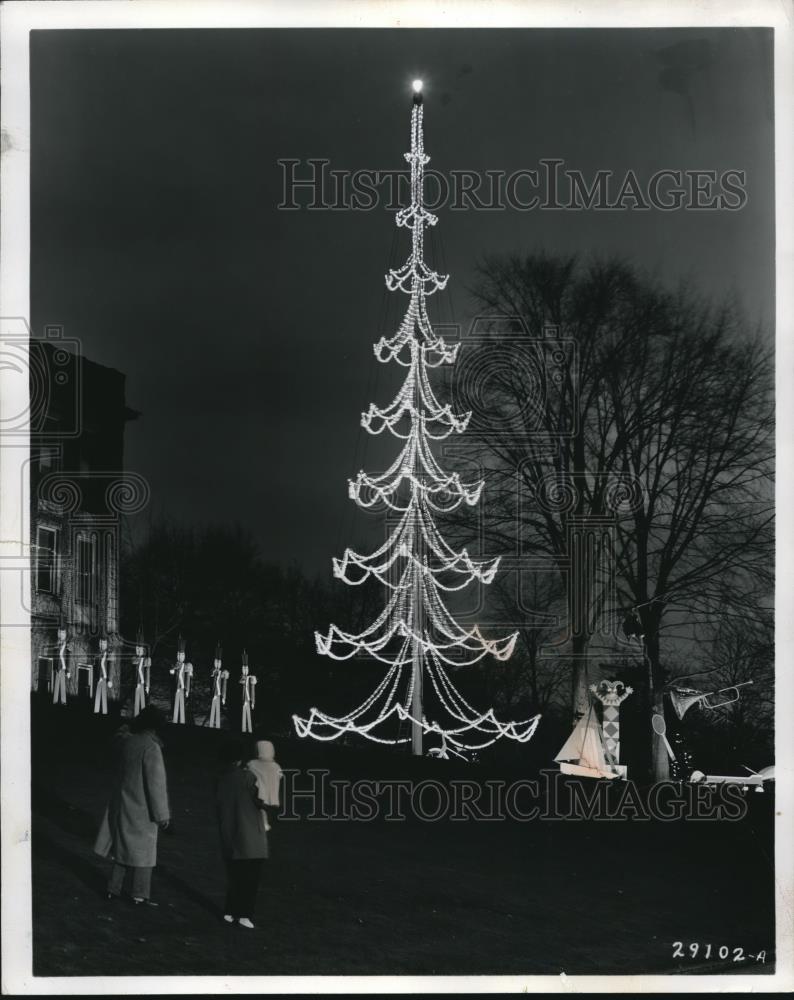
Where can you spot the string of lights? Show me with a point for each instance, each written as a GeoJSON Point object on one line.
{"type": "Point", "coordinates": [416, 635]}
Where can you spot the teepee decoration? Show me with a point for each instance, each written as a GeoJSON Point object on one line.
{"type": "Point", "coordinates": [416, 635]}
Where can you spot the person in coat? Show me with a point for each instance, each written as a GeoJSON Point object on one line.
{"type": "Point", "coordinates": [137, 810]}
{"type": "Point", "coordinates": [268, 776]}
{"type": "Point", "coordinates": [241, 825]}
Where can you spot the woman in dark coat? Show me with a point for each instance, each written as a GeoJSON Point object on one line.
{"type": "Point", "coordinates": [241, 825]}
{"type": "Point", "coordinates": [137, 809]}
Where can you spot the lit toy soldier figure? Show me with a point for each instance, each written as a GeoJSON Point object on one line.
{"type": "Point", "coordinates": [248, 682]}
{"type": "Point", "coordinates": [182, 673]}
{"type": "Point", "coordinates": [142, 675]}
{"type": "Point", "coordinates": [104, 683]}
{"type": "Point", "coordinates": [62, 672]}
{"type": "Point", "coordinates": [220, 678]}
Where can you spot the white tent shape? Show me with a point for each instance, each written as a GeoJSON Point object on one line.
{"type": "Point", "coordinates": [583, 751]}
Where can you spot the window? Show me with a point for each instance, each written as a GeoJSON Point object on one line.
{"type": "Point", "coordinates": [46, 552]}
{"type": "Point", "coordinates": [86, 570]}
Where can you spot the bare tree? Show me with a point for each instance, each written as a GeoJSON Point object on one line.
{"type": "Point", "coordinates": [662, 424]}
{"type": "Point", "coordinates": [528, 678]}
{"type": "Point", "coordinates": [695, 421]}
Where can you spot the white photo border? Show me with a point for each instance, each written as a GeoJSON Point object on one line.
{"type": "Point", "coordinates": [17, 19]}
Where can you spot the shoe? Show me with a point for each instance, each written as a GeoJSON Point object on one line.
{"type": "Point", "coordinates": [111, 896]}
{"type": "Point", "coordinates": [138, 901]}
{"type": "Point", "coordinates": [228, 918]}
{"type": "Point", "coordinates": [245, 922]}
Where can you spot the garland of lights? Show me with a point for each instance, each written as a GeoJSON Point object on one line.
{"type": "Point", "coordinates": [415, 634]}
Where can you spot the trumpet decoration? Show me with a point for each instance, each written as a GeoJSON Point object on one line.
{"type": "Point", "coordinates": [683, 698]}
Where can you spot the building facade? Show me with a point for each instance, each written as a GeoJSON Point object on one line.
{"type": "Point", "coordinates": [79, 494]}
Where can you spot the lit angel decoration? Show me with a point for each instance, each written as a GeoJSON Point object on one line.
{"type": "Point", "coordinates": [416, 635]}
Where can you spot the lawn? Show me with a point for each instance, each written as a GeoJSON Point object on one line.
{"type": "Point", "coordinates": [412, 897]}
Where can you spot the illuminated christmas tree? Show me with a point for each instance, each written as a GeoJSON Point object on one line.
{"type": "Point", "coordinates": [416, 635]}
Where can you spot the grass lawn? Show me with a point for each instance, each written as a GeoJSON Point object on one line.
{"type": "Point", "coordinates": [347, 897]}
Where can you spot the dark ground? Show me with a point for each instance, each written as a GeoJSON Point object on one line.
{"type": "Point", "coordinates": [386, 897]}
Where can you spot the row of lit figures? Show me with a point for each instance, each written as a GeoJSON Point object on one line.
{"type": "Point", "coordinates": [182, 672]}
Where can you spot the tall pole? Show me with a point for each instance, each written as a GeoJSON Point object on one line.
{"type": "Point", "coordinates": [418, 627]}
{"type": "Point", "coordinates": [416, 699]}
{"type": "Point", "coordinates": [417, 240]}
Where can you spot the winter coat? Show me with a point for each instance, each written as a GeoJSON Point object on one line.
{"type": "Point", "coordinates": [240, 817]}
{"type": "Point", "coordinates": [138, 803]}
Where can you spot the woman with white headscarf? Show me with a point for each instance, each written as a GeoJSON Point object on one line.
{"type": "Point", "coordinates": [268, 776]}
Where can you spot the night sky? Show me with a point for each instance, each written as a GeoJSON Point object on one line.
{"type": "Point", "coordinates": [245, 331]}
